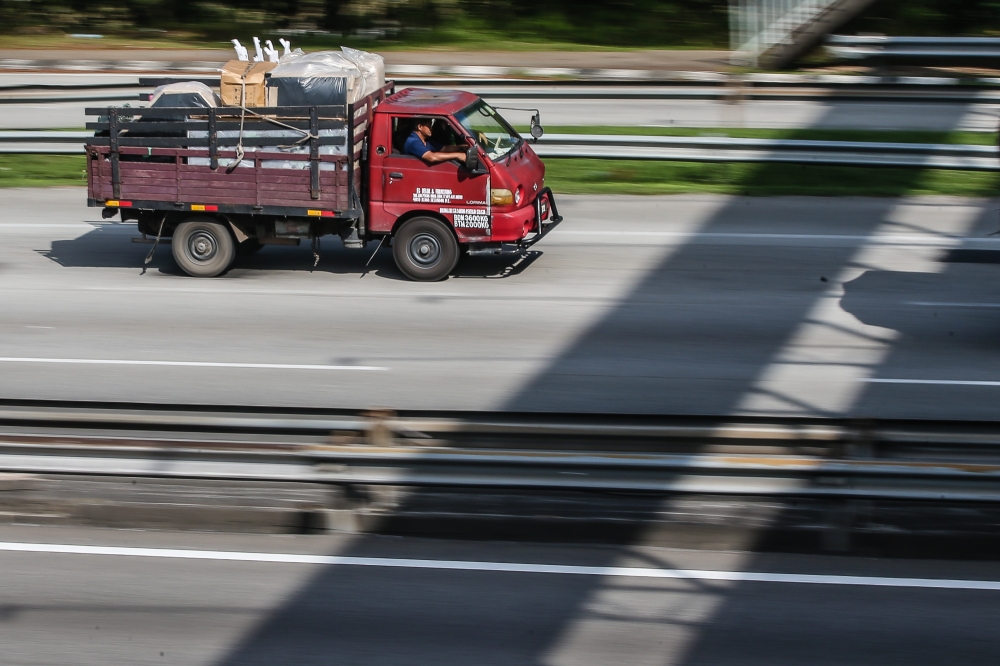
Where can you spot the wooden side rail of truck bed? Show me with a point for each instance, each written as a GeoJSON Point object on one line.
{"type": "Point", "coordinates": [296, 161]}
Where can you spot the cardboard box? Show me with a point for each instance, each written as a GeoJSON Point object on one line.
{"type": "Point", "coordinates": [234, 73]}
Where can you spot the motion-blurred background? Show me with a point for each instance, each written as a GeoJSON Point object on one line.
{"type": "Point", "coordinates": [434, 23]}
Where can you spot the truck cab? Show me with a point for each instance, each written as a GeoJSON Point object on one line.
{"type": "Point", "coordinates": [496, 197]}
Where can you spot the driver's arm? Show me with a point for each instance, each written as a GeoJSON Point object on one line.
{"type": "Point", "coordinates": [443, 155]}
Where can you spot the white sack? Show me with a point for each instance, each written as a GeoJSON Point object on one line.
{"type": "Point", "coordinates": [372, 68]}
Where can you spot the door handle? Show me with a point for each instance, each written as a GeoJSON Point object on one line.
{"type": "Point", "coordinates": [396, 175]}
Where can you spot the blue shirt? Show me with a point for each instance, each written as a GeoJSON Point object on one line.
{"type": "Point", "coordinates": [415, 145]}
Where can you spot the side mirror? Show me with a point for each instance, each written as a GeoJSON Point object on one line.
{"type": "Point", "coordinates": [536, 126]}
{"type": "Point", "coordinates": [473, 163]}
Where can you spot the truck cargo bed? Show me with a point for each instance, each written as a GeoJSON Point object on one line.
{"type": "Point", "coordinates": [176, 160]}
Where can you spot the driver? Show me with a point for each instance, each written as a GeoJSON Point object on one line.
{"type": "Point", "coordinates": [420, 144]}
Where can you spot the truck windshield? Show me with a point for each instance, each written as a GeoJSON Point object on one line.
{"type": "Point", "coordinates": [490, 130]}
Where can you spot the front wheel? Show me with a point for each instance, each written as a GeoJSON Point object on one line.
{"type": "Point", "coordinates": [202, 247]}
{"type": "Point", "coordinates": [425, 249]}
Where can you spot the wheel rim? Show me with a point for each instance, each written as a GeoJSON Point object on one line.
{"type": "Point", "coordinates": [424, 250]}
{"type": "Point", "coordinates": [202, 246]}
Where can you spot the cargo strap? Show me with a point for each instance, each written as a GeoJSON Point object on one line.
{"type": "Point", "coordinates": [306, 135]}
{"type": "Point", "coordinates": [239, 144]}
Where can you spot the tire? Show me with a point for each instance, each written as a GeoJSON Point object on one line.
{"type": "Point", "coordinates": [425, 249]}
{"type": "Point", "coordinates": [203, 247]}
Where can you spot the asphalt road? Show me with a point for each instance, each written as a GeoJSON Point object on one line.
{"type": "Point", "coordinates": [163, 607]}
{"type": "Point", "coordinates": [687, 304]}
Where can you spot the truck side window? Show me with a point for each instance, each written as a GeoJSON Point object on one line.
{"type": "Point", "coordinates": [401, 129]}
{"type": "Point", "coordinates": [441, 132]}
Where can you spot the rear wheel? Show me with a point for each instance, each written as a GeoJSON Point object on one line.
{"type": "Point", "coordinates": [202, 247]}
{"type": "Point", "coordinates": [425, 249]}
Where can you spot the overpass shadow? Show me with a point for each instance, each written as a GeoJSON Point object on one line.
{"type": "Point", "coordinates": [946, 323]}
{"type": "Point", "coordinates": [693, 336]}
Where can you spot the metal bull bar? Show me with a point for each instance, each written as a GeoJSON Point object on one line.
{"type": "Point", "coordinates": [522, 245]}
{"type": "Point", "coordinates": [554, 217]}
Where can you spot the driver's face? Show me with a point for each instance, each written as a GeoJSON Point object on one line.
{"type": "Point", "coordinates": [424, 130]}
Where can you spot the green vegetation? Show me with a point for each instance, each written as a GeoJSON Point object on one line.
{"type": "Point", "coordinates": [476, 24]}
{"type": "Point", "coordinates": [651, 177]}
{"type": "Point", "coordinates": [589, 176]}
{"type": "Point", "coordinates": [42, 170]}
{"type": "Point", "coordinates": [929, 17]}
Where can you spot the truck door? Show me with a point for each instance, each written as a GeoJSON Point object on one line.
{"type": "Point", "coordinates": [448, 188]}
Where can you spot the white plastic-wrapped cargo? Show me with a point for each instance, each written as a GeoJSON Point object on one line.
{"type": "Point", "coordinates": [181, 95]}
{"type": "Point", "coordinates": [327, 77]}
{"type": "Point", "coordinates": [372, 68]}
{"type": "Point", "coordinates": [289, 148]}
{"type": "Point", "coordinates": [185, 93]}
{"type": "Point", "coordinates": [291, 55]}
{"type": "Point", "coordinates": [323, 78]}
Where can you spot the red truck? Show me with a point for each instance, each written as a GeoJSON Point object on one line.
{"type": "Point", "coordinates": [220, 182]}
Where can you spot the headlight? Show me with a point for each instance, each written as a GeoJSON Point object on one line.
{"type": "Point", "coordinates": [517, 195]}
{"type": "Point", "coordinates": [501, 197]}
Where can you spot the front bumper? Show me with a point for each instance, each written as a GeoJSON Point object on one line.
{"type": "Point", "coordinates": [539, 216]}
{"type": "Point", "coordinates": [545, 218]}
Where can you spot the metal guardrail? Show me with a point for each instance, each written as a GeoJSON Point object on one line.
{"type": "Point", "coordinates": [32, 136]}
{"type": "Point", "coordinates": [666, 148]}
{"type": "Point", "coordinates": [43, 143]}
{"type": "Point", "coordinates": [727, 149]}
{"type": "Point", "coordinates": [917, 50]}
{"type": "Point", "coordinates": [906, 461]}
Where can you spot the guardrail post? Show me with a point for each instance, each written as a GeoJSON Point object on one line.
{"type": "Point", "coordinates": [840, 520]}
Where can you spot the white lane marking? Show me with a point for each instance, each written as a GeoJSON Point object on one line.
{"type": "Point", "coordinates": [26, 225]}
{"type": "Point", "coordinates": [188, 364]}
{"type": "Point", "coordinates": [933, 382]}
{"type": "Point", "coordinates": [927, 239]}
{"type": "Point", "coordinates": [284, 292]}
{"type": "Point", "coordinates": [503, 567]}
{"type": "Point", "coordinates": [934, 304]}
